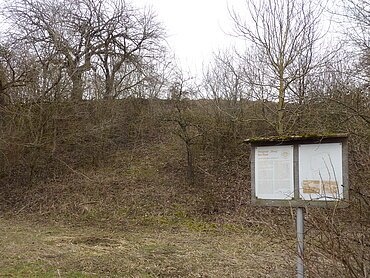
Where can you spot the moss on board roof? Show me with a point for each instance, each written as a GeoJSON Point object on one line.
{"type": "Point", "coordinates": [300, 137]}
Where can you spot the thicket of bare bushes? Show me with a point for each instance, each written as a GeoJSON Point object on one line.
{"type": "Point", "coordinates": [93, 95]}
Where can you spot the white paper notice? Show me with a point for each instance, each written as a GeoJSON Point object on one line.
{"type": "Point", "coordinates": [320, 171]}
{"type": "Point", "coordinates": [274, 172]}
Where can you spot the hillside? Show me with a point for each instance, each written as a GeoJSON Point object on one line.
{"type": "Point", "coordinates": [103, 189]}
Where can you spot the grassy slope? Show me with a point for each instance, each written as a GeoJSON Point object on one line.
{"type": "Point", "coordinates": [134, 215]}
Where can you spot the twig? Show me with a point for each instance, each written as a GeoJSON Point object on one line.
{"type": "Point", "coordinates": [73, 170]}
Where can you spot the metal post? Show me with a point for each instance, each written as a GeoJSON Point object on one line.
{"type": "Point", "coordinates": [300, 242]}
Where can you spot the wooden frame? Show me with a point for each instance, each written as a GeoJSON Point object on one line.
{"type": "Point", "coordinates": [296, 141]}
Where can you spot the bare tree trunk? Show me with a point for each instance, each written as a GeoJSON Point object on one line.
{"type": "Point", "coordinates": [2, 91]}
{"type": "Point", "coordinates": [190, 162]}
{"type": "Point", "coordinates": [109, 87]}
{"type": "Point", "coordinates": [77, 86]}
{"type": "Point", "coordinates": [281, 106]}
{"type": "Point", "coordinates": [2, 97]}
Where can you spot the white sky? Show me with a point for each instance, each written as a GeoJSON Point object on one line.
{"type": "Point", "coordinates": [196, 28]}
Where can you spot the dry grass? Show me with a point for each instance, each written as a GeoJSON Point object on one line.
{"type": "Point", "coordinates": [137, 218]}
{"type": "Point", "coordinates": [125, 209]}
{"type": "Point", "coordinates": [39, 250]}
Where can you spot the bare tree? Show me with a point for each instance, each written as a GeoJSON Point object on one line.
{"type": "Point", "coordinates": [284, 35]}
{"type": "Point", "coordinates": [356, 23]}
{"type": "Point", "coordinates": [110, 37]}
{"type": "Point", "coordinates": [186, 128]}
{"type": "Point", "coordinates": [16, 70]}
{"type": "Point", "coordinates": [67, 26]}
{"type": "Point", "coordinates": [225, 83]}
{"type": "Point", "coordinates": [130, 40]}
{"type": "Point", "coordinates": [224, 78]}
{"type": "Point", "coordinates": [356, 14]}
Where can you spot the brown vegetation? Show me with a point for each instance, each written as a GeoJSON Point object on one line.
{"type": "Point", "coordinates": [99, 134]}
{"type": "Point", "coordinates": [121, 164]}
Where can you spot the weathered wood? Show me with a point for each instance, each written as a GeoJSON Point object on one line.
{"type": "Point", "coordinates": [295, 141]}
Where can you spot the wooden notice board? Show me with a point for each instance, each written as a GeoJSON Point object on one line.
{"type": "Point", "coordinates": [298, 171]}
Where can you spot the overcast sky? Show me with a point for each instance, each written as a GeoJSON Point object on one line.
{"type": "Point", "coordinates": [195, 28]}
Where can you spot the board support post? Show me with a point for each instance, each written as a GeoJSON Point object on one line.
{"type": "Point", "coordinates": [300, 242]}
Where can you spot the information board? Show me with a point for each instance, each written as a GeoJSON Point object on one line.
{"type": "Point", "coordinates": [299, 171]}
{"type": "Point", "coordinates": [320, 171]}
{"type": "Point", "coordinates": [274, 172]}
